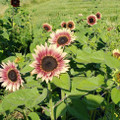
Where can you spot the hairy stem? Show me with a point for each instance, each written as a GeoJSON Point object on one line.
{"type": "Point", "coordinates": [50, 102]}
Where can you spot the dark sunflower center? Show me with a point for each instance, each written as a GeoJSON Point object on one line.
{"type": "Point", "coordinates": [117, 55]}
{"type": "Point", "coordinates": [46, 28]}
{"type": "Point", "coordinates": [49, 63]}
{"type": "Point", "coordinates": [12, 76]}
{"type": "Point", "coordinates": [98, 16]}
{"type": "Point", "coordinates": [15, 2]}
{"type": "Point", "coordinates": [64, 25]}
{"type": "Point", "coordinates": [91, 20]}
{"type": "Point", "coordinates": [62, 40]}
{"type": "Point", "coordinates": [70, 25]}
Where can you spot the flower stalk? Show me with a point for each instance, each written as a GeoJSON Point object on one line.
{"type": "Point", "coordinates": [51, 103]}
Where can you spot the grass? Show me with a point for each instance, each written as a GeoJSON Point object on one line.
{"type": "Point", "coordinates": [57, 10]}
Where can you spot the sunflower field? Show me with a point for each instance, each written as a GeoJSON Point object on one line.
{"type": "Point", "coordinates": [59, 60]}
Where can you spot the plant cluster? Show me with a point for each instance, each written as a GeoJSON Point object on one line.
{"type": "Point", "coordinates": [69, 71]}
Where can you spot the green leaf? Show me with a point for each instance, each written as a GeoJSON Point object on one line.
{"type": "Point", "coordinates": [88, 56]}
{"type": "Point", "coordinates": [72, 48]}
{"type": "Point", "coordinates": [82, 57]}
{"type": "Point", "coordinates": [78, 109]}
{"type": "Point", "coordinates": [115, 95]}
{"type": "Point", "coordinates": [91, 83]}
{"type": "Point", "coordinates": [97, 57]}
{"type": "Point", "coordinates": [63, 81]}
{"type": "Point", "coordinates": [27, 97]}
{"type": "Point", "coordinates": [34, 116]}
{"type": "Point", "coordinates": [26, 69]}
{"type": "Point", "coordinates": [74, 91]}
{"type": "Point", "coordinates": [38, 99]}
{"type": "Point", "coordinates": [93, 101]}
{"type": "Point", "coordinates": [11, 58]}
{"type": "Point", "coordinates": [112, 62]}
{"type": "Point", "coordinates": [60, 109]}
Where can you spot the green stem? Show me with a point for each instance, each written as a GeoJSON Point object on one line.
{"type": "Point", "coordinates": [63, 117]}
{"type": "Point", "coordinates": [50, 102]}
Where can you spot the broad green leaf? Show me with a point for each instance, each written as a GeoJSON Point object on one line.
{"type": "Point", "coordinates": [91, 83]}
{"type": "Point", "coordinates": [115, 95]}
{"type": "Point", "coordinates": [82, 57]}
{"type": "Point", "coordinates": [11, 58]}
{"type": "Point", "coordinates": [97, 57]}
{"type": "Point", "coordinates": [93, 101]}
{"type": "Point", "coordinates": [74, 91]}
{"type": "Point", "coordinates": [34, 116]}
{"type": "Point", "coordinates": [27, 97]}
{"type": "Point", "coordinates": [63, 81]}
{"type": "Point", "coordinates": [112, 62]}
{"type": "Point", "coordinates": [60, 109]}
{"type": "Point", "coordinates": [78, 109]}
{"type": "Point", "coordinates": [88, 56]}
{"type": "Point", "coordinates": [72, 48]}
{"type": "Point", "coordinates": [26, 69]}
{"type": "Point", "coordinates": [38, 99]}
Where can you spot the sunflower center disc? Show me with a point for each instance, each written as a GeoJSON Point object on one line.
{"type": "Point", "coordinates": [91, 20]}
{"type": "Point", "coordinates": [70, 25]}
{"type": "Point", "coordinates": [98, 16]}
{"type": "Point", "coordinates": [12, 76]}
{"type": "Point", "coordinates": [15, 2]}
{"type": "Point", "coordinates": [62, 40]}
{"type": "Point", "coordinates": [118, 77]}
{"type": "Point", "coordinates": [49, 63]}
{"type": "Point", "coordinates": [64, 25]}
{"type": "Point", "coordinates": [46, 28]}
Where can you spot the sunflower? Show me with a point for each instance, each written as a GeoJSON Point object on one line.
{"type": "Point", "coordinates": [63, 24]}
{"type": "Point", "coordinates": [10, 76]}
{"type": "Point", "coordinates": [49, 62]}
{"type": "Point", "coordinates": [71, 25]}
{"type": "Point", "coordinates": [116, 53]}
{"type": "Point", "coordinates": [15, 3]}
{"type": "Point", "coordinates": [98, 15]}
{"type": "Point", "coordinates": [47, 27]}
{"type": "Point", "coordinates": [62, 37]}
{"type": "Point", "coordinates": [91, 20]}
{"type": "Point", "coordinates": [116, 77]}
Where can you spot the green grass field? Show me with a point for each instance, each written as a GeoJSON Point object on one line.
{"type": "Point", "coordinates": [52, 10]}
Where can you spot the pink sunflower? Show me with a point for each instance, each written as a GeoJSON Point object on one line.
{"type": "Point", "coordinates": [116, 53]}
{"type": "Point", "coordinates": [10, 76]}
{"type": "Point", "coordinates": [71, 25]}
{"type": "Point", "coordinates": [91, 20]}
{"type": "Point", "coordinates": [49, 62]}
{"type": "Point", "coordinates": [47, 27]}
{"type": "Point", "coordinates": [15, 3]}
{"type": "Point", "coordinates": [62, 37]}
{"type": "Point", "coordinates": [98, 15]}
{"type": "Point", "coordinates": [63, 24]}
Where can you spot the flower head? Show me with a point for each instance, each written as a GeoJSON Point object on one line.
{"type": "Point", "coordinates": [71, 25]}
{"type": "Point", "coordinates": [15, 3]}
{"type": "Point", "coordinates": [63, 24]}
{"type": "Point", "coordinates": [98, 15]}
{"type": "Point", "coordinates": [116, 77]}
{"type": "Point", "coordinates": [49, 62]}
{"type": "Point", "coordinates": [116, 53]}
{"type": "Point", "coordinates": [62, 37]}
{"type": "Point", "coordinates": [91, 20]}
{"type": "Point", "coordinates": [10, 76]}
{"type": "Point", "coordinates": [47, 27]}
